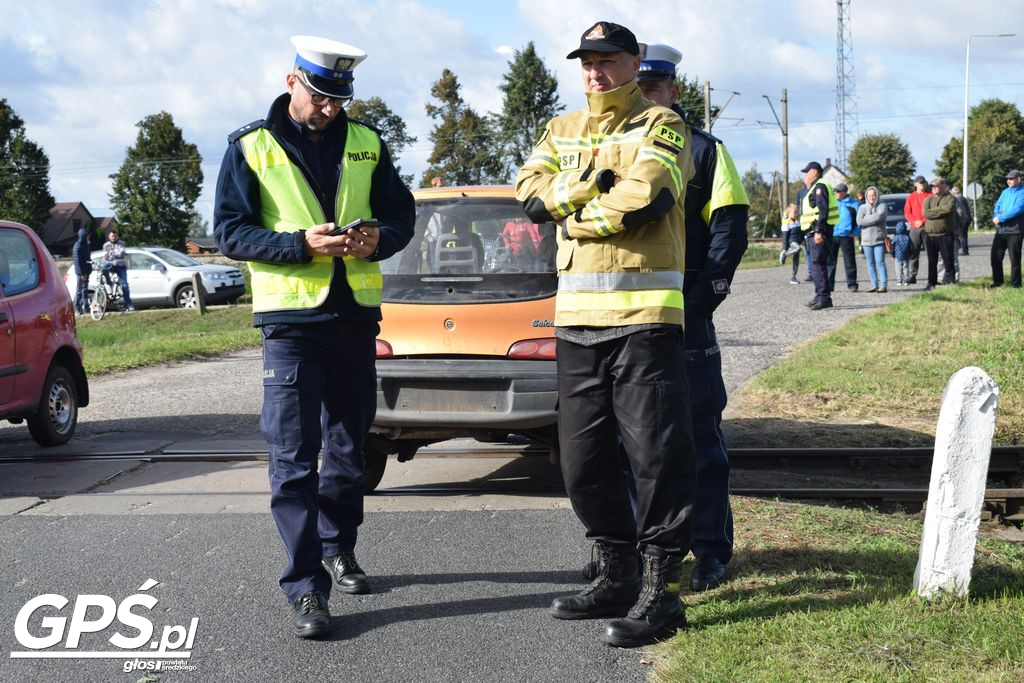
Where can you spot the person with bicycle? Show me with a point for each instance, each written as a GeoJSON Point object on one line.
{"type": "Point", "coordinates": [114, 260]}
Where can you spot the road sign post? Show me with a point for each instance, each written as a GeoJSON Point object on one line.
{"type": "Point", "coordinates": [972, 192]}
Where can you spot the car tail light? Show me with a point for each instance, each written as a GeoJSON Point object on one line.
{"type": "Point", "coordinates": [533, 349]}
{"type": "Point", "coordinates": [384, 349]}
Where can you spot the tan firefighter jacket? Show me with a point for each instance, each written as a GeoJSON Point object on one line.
{"type": "Point", "coordinates": [621, 246]}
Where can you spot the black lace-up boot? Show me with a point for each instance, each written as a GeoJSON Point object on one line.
{"type": "Point", "coordinates": [347, 573]}
{"type": "Point", "coordinates": [611, 593]}
{"type": "Point", "coordinates": [312, 619]}
{"type": "Point", "coordinates": [657, 612]}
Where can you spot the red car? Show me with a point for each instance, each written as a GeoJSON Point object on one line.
{"type": "Point", "coordinates": [42, 380]}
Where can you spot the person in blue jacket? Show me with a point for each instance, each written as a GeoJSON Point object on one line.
{"type": "Point", "coordinates": [844, 239]}
{"type": "Point", "coordinates": [81, 258]}
{"type": "Point", "coordinates": [1008, 217]}
{"type": "Point", "coordinates": [286, 183]}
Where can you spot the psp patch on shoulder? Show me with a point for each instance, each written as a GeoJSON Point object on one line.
{"type": "Point", "coordinates": [720, 286]}
{"type": "Point", "coordinates": [669, 135]}
{"type": "Point", "coordinates": [569, 161]}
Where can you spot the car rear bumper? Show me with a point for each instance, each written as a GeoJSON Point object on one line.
{"type": "Point", "coordinates": [494, 394]}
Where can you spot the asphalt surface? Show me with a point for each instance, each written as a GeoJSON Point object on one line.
{"type": "Point", "coordinates": [462, 581]}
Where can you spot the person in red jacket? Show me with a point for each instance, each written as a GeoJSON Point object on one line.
{"type": "Point", "coordinates": [913, 212]}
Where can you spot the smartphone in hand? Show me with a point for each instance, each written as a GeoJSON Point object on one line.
{"type": "Point", "coordinates": [354, 225]}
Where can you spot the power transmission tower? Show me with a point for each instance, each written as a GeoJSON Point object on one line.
{"type": "Point", "coordinates": [846, 103]}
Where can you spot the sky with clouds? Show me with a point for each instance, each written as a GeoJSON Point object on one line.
{"type": "Point", "coordinates": [82, 74]}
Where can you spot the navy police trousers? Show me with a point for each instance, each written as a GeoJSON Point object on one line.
{"type": "Point", "coordinates": [712, 514]}
{"type": "Point", "coordinates": [319, 390]}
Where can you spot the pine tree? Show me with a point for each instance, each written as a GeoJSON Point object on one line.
{"type": "Point", "coordinates": [378, 114]}
{"type": "Point", "coordinates": [155, 190]}
{"type": "Point", "coordinates": [24, 173]}
{"type": "Point", "coordinates": [464, 144]}
{"type": "Point", "coordinates": [531, 100]}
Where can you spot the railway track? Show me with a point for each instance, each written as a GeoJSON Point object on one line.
{"type": "Point", "coordinates": [1005, 504]}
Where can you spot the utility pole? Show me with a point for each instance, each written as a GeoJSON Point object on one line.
{"type": "Point", "coordinates": [846, 103]}
{"type": "Point", "coordinates": [707, 106]}
{"type": "Point", "coordinates": [784, 127]}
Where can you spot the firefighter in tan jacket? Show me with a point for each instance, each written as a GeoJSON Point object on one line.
{"type": "Point", "coordinates": [614, 175]}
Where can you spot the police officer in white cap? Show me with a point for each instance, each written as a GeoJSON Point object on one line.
{"type": "Point", "coordinates": [287, 182]}
{"type": "Point", "coordinates": [716, 208]}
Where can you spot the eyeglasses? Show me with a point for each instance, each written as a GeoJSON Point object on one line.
{"type": "Point", "coordinates": [318, 99]}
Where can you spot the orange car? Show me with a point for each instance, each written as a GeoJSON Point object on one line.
{"type": "Point", "coordinates": [467, 345]}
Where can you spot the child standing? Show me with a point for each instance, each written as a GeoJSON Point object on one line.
{"type": "Point", "coordinates": [792, 239]}
{"type": "Point", "coordinates": [902, 249]}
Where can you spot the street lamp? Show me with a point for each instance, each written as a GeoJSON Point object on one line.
{"type": "Point", "coordinates": [967, 73]}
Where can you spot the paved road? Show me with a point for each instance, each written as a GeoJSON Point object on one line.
{"type": "Point", "coordinates": [463, 580]}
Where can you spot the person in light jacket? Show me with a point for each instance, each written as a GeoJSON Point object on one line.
{"type": "Point", "coordinates": [871, 219]}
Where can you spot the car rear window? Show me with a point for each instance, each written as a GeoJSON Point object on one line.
{"type": "Point", "coordinates": [472, 250]}
{"type": "Point", "coordinates": [19, 268]}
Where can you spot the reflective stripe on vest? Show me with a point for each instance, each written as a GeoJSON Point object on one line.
{"type": "Point", "coordinates": [619, 291]}
{"type": "Point", "coordinates": [809, 214]}
{"type": "Point", "coordinates": [288, 205]}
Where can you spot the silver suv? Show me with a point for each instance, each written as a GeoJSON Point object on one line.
{"type": "Point", "coordinates": [159, 276]}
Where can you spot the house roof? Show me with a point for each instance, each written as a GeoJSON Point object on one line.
{"type": "Point", "coordinates": [59, 228]}
{"type": "Point", "coordinates": [105, 224]}
{"type": "Point", "coordinates": [204, 242]}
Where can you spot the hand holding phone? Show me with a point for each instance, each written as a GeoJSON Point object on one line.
{"type": "Point", "coordinates": [354, 225]}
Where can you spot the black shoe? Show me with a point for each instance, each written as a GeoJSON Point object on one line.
{"type": "Point", "coordinates": [818, 305]}
{"type": "Point", "coordinates": [808, 279]}
{"type": "Point", "coordinates": [853, 290]}
{"type": "Point", "coordinates": [708, 573]}
{"type": "Point", "coordinates": [658, 612]}
{"type": "Point", "coordinates": [928, 288]}
{"type": "Point", "coordinates": [611, 593]}
{"type": "Point", "coordinates": [347, 573]}
{"type": "Point", "coordinates": [912, 281]}
{"type": "Point", "coordinates": [312, 618]}
{"type": "Point", "coordinates": [810, 304]}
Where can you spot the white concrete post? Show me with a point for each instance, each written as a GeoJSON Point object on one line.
{"type": "Point", "coordinates": [963, 443]}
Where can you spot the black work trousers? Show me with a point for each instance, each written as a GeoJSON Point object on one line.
{"type": "Point", "coordinates": [1003, 245]}
{"type": "Point", "coordinates": [936, 245]}
{"type": "Point", "coordinates": [848, 247]}
{"type": "Point", "coordinates": [819, 265]}
{"type": "Point", "coordinates": [634, 386]}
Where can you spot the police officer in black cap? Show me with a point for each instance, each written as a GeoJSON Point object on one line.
{"type": "Point", "coordinates": [286, 184]}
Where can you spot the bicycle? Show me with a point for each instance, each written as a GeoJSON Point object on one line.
{"type": "Point", "coordinates": [108, 291]}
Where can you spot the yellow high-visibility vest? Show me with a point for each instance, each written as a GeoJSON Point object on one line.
{"type": "Point", "coordinates": [809, 214]}
{"type": "Point", "coordinates": [288, 204]}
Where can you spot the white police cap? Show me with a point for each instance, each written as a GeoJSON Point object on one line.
{"type": "Point", "coordinates": [658, 62]}
{"type": "Point", "coordinates": [327, 64]}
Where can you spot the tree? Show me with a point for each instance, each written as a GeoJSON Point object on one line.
{"type": "Point", "coordinates": [156, 188]}
{"type": "Point", "coordinates": [24, 173]}
{"type": "Point", "coordinates": [531, 100]}
{"type": "Point", "coordinates": [378, 114]}
{"type": "Point", "coordinates": [691, 101]}
{"type": "Point", "coordinates": [883, 161]}
{"type": "Point", "coordinates": [996, 146]}
{"type": "Point", "coordinates": [463, 141]}
{"type": "Point", "coordinates": [765, 215]}
{"type": "Point", "coordinates": [198, 226]}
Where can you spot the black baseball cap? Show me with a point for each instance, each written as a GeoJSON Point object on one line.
{"type": "Point", "coordinates": [604, 36]}
{"type": "Point", "coordinates": [814, 164]}
{"type": "Point", "coordinates": [1013, 174]}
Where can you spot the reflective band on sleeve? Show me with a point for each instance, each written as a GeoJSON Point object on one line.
{"type": "Point", "coordinates": [668, 162]}
{"type": "Point", "coordinates": [545, 160]}
{"type": "Point", "coordinates": [602, 226]}
{"type": "Point", "coordinates": [605, 282]}
{"type": "Point", "coordinates": [560, 196]}
{"type": "Point", "coordinates": [619, 301]}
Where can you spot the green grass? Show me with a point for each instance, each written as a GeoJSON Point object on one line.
{"type": "Point", "coordinates": [148, 337]}
{"type": "Point", "coordinates": [891, 366]}
{"type": "Point", "coordinates": [761, 255]}
{"type": "Point", "coordinates": [825, 594]}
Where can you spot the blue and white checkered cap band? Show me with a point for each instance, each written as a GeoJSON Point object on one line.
{"type": "Point", "coordinates": [323, 71]}
{"type": "Point", "coordinates": [658, 65]}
